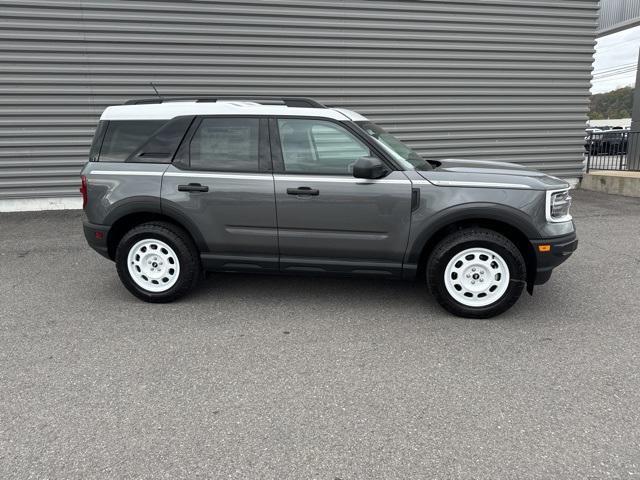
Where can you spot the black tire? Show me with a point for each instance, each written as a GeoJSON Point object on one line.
{"type": "Point", "coordinates": [179, 240]}
{"type": "Point", "coordinates": [476, 237]}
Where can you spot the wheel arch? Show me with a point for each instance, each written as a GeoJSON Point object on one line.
{"type": "Point", "coordinates": [129, 219]}
{"type": "Point", "coordinates": [505, 220]}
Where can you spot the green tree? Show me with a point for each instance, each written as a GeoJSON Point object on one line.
{"type": "Point", "coordinates": [614, 104]}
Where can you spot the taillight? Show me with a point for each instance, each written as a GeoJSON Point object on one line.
{"type": "Point", "coordinates": [83, 190]}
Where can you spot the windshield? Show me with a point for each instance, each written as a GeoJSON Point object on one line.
{"type": "Point", "coordinates": [398, 149]}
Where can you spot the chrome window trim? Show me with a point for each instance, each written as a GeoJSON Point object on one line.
{"type": "Point", "coordinates": [234, 176]}
{"type": "Point", "coordinates": [125, 172]}
{"type": "Point", "coordinates": [257, 176]}
{"type": "Point", "coordinates": [337, 179]}
{"type": "Point", "coordinates": [421, 182]}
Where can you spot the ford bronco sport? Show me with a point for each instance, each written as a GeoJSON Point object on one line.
{"type": "Point", "coordinates": [175, 187]}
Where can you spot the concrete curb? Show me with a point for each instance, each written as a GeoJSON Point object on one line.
{"type": "Point", "coordinates": [616, 183]}
{"type": "Point", "coordinates": [39, 204]}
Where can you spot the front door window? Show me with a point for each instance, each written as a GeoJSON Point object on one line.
{"type": "Point", "coordinates": [318, 147]}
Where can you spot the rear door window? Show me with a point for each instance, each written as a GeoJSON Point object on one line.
{"type": "Point", "coordinates": [123, 137]}
{"type": "Point", "coordinates": [226, 144]}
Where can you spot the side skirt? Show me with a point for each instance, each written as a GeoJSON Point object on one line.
{"type": "Point", "coordinates": [299, 265]}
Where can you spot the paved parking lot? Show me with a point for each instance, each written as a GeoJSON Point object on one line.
{"type": "Point", "coordinates": [285, 377]}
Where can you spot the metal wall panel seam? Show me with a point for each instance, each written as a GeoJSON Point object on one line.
{"type": "Point", "coordinates": [500, 79]}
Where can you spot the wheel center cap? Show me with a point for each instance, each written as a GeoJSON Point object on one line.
{"type": "Point", "coordinates": [155, 264]}
{"type": "Point", "coordinates": [476, 276]}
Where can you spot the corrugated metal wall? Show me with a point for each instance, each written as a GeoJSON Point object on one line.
{"type": "Point", "coordinates": [617, 15]}
{"type": "Point", "coordinates": [483, 79]}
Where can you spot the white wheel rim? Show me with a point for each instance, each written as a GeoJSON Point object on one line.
{"type": "Point", "coordinates": [476, 277]}
{"type": "Point", "coordinates": [153, 265]}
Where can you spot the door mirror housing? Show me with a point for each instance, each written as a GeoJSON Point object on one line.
{"type": "Point", "coordinates": [369, 167]}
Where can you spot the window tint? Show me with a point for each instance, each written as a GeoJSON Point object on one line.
{"type": "Point", "coordinates": [227, 144]}
{"type": "Point", "coordinates": [317, 146]}
{"type": "Point", "coordinates": [398, 149]}
{"type": "Point", "coordinates": [123, 137]}
{"type": "Point", "coordinates": [164, 142]}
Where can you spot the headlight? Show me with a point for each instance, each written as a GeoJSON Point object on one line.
{"type": "Point", "coordinates": [558, 205]}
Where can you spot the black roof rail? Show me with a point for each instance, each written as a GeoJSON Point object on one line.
{"type": "Point", "coordinates": [266, 100]}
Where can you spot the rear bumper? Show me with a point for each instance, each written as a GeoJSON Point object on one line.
{"type": "Point", "coordinates": [561, 248]}
{"type": "Point", "coordinates": [96, 236]}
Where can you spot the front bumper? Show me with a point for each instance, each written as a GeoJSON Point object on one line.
{"type": "Point", "coordinates": [96, 236]}
{"type": "Point", "coordinates": [560, 249]}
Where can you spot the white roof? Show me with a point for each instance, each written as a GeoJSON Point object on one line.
{"type": "Point", "coordinates": [355, 116]}
{"type": "Point", "coordinates": [168, 110]}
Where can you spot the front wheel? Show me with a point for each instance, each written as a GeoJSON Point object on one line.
{"type": "Point", "coordinates": [157, 262]}
{"type": "Point", "coordinates": [476, 273]}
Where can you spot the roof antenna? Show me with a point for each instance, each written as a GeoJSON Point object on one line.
{"type": "Point", "coordinates": [156, 90]}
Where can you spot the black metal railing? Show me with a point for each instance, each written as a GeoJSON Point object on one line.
{"type": "Point", "coordinates": [613, 150]}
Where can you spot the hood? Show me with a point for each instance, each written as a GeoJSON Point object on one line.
{"type": "Point", "coordinates": [493, 174]}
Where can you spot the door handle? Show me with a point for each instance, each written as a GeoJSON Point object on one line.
{"type": "Point", "coordinates": [303, 191]}
{"type": "Point", "coordinates": [193, 187]}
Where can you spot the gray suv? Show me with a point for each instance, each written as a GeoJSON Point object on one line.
{"type": "Point", "coordinates": [176, 187]}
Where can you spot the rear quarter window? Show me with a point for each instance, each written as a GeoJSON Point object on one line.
{"type": "Point", "coordinates": [123, 137]}
{"type": "Point", "coordinates": [96, 143]}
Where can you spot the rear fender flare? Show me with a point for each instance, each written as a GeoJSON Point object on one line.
{"type": "Point", "coordinates": [151, 205]}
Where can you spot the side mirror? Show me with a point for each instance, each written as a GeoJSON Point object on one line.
{"type": "Point", "coordinates": [369, 167]}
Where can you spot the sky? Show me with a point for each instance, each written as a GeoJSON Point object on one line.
{"type": "Point", "coordinates": [615, 61]}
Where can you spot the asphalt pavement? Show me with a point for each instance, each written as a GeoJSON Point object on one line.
{"type": "Point", "coordinates": [302, 378]}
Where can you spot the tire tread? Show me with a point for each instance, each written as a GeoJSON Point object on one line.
{"type": "Point", "coordinates": [186, 249]}
{"type": "Point", "coordinates": [465, 237]}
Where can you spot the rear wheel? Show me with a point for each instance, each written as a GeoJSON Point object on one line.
{"type": "Point", "coordinates": [157, 262]}
{"type": "Point", "coordinates": [476, 273]}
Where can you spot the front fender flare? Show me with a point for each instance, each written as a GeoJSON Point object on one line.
{"type": "Point", "coordinates": [464, 212]}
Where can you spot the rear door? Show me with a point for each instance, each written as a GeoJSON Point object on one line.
{"type": "Point", "coordinates": [221, 184]}
{"type": "Point", "coordinates": [328, 220]}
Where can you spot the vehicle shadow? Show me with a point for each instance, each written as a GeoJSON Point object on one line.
{"type": "Point", "coordinates": [331, 293]}
{"type": "Point", "coordinates": [344, 294]}
{"type": "Point", "coordinates": [295, 289]}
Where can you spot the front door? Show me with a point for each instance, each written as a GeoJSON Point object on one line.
{"type": "Point", "coordinates": [328, 220]}
{"type": "Point", "coordinates": [223, 185]}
